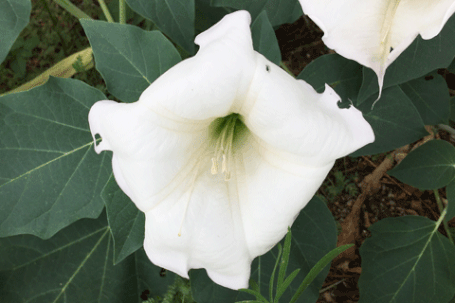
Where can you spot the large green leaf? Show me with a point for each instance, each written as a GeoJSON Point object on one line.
{"type": "Point", "coordinates": [407, 260]}
{"type": "Point", "coordinates": [50, 175]}
{"type": "Point", "coordinates": [174, 17]}
{"type": "Point", "coordinates": [420, 58]}
{"type": "Point", "coordinates": [395, 121]}
{"type": "Point", "coordinates": [14, 16]}
{"type": "Point", "coordinates": [343, 75]}
{"type": "Point", "coordinates": [76, 265]}
{"type": "Point", "coordinates": [129, 58]}
{"type": "Point", "coordinates": [430, 97]}
{"type": "Point", "coordinates": [429, 166]}
{"type": "Point", "coordinates": [278, 11]}
{"type": "Point", "coordinates": [313, 236]}
{"type": "Point", "coordinates": [125, 220]}
{"type": "Point", "coordinates": [264, 39]}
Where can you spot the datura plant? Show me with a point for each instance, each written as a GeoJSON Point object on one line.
{"type": "Point", "coordinates": [374, 33]}
{"type": "Point", "coordinates": [222, 152]}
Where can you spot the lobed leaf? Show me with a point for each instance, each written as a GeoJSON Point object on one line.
{"type": "Point", "coordinates": [407, 260]}
{"type": "Point", "coordinates": [76, 265]}
{"type": "Point", "coordinates": [129, 58]}
{"type": "Point", "coordinates": [431, 98]}
{"type": "Point", "coordinates": [429, 166]}
{"type": "Point", "coordinates": [277, 11]}
{"type": "Point", "coordinates": [14, 16]}
{"type": "Point", "coordinates": [343, 75]}
{"type": "Point", "coordinates": [395, 122]}
{"type": "Point", "coordinates": [126, 222]}
{"type": "Point", "coordinates": [264, 39]}
{"type": "Point", "coordinates": [175, 18]}
{"type": "Point", "coordinates": [50, 175]}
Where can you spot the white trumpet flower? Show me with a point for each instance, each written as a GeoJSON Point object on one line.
{"type": "Point", "coordinates": [375, 32]}
{"type": "Point", "coordinates": [222, 152]}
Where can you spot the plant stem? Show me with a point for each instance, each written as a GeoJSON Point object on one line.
{"type": "Point", "coordinates": [331, 286]}
{"type": "Point", "coordinates": [54, 21]}
{"type": "Point", "coordinates": [63, 69]}
{"type": "Point", "coordinates": [447, 128]}
{"type": "Point", "coordinates": [72, 9]}
{"type": "Point", "coordinates": [106, 11]}
{"type": "Point", "coordinates": [441, 209]}
{"type": "Point", "coordinates": [122, 12]}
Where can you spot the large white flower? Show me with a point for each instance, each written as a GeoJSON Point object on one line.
{"type": "Point", "coordinates": [375, 32]}
{"type": "Point", "coordinates": [222, 152]}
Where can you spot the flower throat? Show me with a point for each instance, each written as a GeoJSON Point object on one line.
{"type": "Point", "coordinates": [225, 134]}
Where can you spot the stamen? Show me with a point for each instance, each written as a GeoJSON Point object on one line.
{"type": "Point", "coordinates": [223, 148]}
{"type": "Point", "coordinates": [214, 169]}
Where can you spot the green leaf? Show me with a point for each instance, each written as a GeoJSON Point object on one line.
{"type": "Point", "coordinates": [326, 260]}
{"type": "Point", "coordinates": [175, 18]}
{"type": "Point", "coordinates": [343, 75]}
{"type": "Point", "coordinates": [50, 175]}
{"type": "Point", "coordinates": [206, 291]}
{"type": "Point", "coordinates": [277, 11]}
{"type": "Point", "coordinates": [407, 260]}
{"type": "Point", "coordinates": [450, 192]}
{"type": "Point", "coordinates": [272, 276]}
{"type": "Point", "coordinates": [14, 16]}
{"type": "Point", "coordinates": [129, 58]}
{"type": "Point", "coordinates": [125, 220]}
{"type": "Point", "coordinates": [395, 122]}
{"type": "Point", "coordinates": [430, 97]}
{"type": "Point", "coordinates": [264, 39]}
{"type": "Point", "coordinates": [282, 288]}
{"type": "Point", "coordinates": [430, 166]}
{"type": "Point", "coordinates": [285, 257]}
{"type": "Point", "coordinates": [207, 15]}
{"type": "Point", "coordinates": [75, 265]}
{"type": "Point", "coordinates": [420, 58]}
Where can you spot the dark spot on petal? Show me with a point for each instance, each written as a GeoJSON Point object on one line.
{"type": "Point", "coordinates": [391, 49]}
{"type": "Point", "coordinates": [267, 68]}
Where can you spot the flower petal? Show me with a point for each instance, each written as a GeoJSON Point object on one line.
{"type": "Point", "coordinates": [297, 134]}
{"type": "Point", "coordinates": [374, 33]}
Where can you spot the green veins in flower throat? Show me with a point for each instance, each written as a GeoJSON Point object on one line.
{"type": "Point", "coordinates": [227, 133]}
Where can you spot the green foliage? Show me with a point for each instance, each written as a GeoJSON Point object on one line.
{"type": "Point", "coordinates": [407, 260]}
{"type": "Point", "coordinates": [141, 55]}
{"type": "Point", "coordinates": [77, 265]}
{"type": "Point", "coordinates": [264, 39]}
{"type": "Point", "coordinates": [179, 292]}
{"type": "Point", "coordinates": [283, 283]}
{"type": "Point", "coordinates": [47, 141]}
{"type": "Point", "coordinates": [14, 16]}
{"type": "Point", "coordinates": [175, 18]}
{"type": "Point", "coordinates": [430, 166]}
{"type": "Point", "coordinates": [340, 184]}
